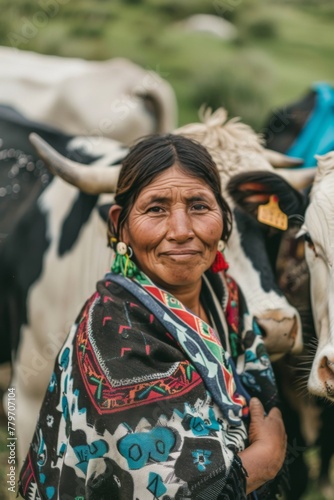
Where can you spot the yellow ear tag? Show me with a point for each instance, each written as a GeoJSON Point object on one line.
{"type": "Point", "coordinates": [272, 215]}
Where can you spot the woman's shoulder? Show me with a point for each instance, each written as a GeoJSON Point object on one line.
{"type": "Point", "coordinates": [106, 291]}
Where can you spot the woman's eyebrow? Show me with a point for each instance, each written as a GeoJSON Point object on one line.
{"type": "Point", "coordinates": [198, 197]}
{"type": "Point", "coordinates": [156, 199]}
{"type": "Point", "coordinates": [165, 198]}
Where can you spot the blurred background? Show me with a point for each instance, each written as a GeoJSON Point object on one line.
{"type": "Point", "coordinates": [252, 57]}
{"type": "Point", "coordinates": [255, 55]}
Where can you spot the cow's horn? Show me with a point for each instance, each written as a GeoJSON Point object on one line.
{"type": "Point", "coordinates": [89, 179]}
{"type": "Point", "coordinates": [299, 178]}
{"type": "Point", "coordinates": [280, 160]}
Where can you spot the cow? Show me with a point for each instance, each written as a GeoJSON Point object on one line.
{"type": "Point", "coordinates": [23, 177]}
{"type": "Point", "coordinates": [304, 128]}
{"type": "Point", "coordinates": [114, 98]}
{"type": "Point", "coordinates": [49, 231]}
{"type": "Point", "coordinates": [316, 227]}
{"type": "Point", "coordinates": [318, 230]}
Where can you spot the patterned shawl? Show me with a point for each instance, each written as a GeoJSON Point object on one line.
{"type": "Point", "coordinates": [145, 401]}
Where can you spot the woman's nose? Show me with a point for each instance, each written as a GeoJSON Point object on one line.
{"type": "Point", "coordinates": [180, 226]}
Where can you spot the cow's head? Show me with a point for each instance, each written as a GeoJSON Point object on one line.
{"type": "Point", "coordinates": [252, 254]}
{"type": "Point", "coordinates": [319, 250]}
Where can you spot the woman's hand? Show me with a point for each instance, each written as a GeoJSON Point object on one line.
{"type": "Point", "coordinates": [265, 455]}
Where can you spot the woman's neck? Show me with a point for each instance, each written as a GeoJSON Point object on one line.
{"type": "Point", "coordinates": [190, 297]}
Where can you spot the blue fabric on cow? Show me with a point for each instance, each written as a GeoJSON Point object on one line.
{"type": "Point", "coordinates": [129, 411]}
{"type": "Point", "coordinates": [304, 128]}
{"type": "Point", "coordinates": [317, 135]}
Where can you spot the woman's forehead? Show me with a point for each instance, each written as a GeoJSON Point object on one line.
{"type": "Point", "coordinates": [173, 180]}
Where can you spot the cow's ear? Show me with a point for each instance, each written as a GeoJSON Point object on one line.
{"type": "Point", "coordinates": [251, 189]}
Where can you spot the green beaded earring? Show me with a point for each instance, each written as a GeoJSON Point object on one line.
{"type": "Point", "coordinates": [123, 263]}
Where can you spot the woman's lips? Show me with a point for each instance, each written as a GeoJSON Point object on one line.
{"type": "Point", "coordinates": [180, 252]}
{"type": "Point", "coordinates": [180, 255]}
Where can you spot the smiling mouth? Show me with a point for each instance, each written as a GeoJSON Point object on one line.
{"type": "Point", "coordinates": [180, 253]}
{"type": "Point", "coordinates": [180, 257]}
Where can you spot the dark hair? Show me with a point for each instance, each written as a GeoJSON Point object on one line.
{"type": "Point", "coordinates": [156, 153]}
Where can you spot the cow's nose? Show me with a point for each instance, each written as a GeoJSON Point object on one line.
{"type": "Point", "coordinates": [279, 331]}
{"type": "Point", "coordinates": [326, 373]}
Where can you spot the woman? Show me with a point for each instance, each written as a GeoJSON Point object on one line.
{"type": "Point", "coordinates": [145, 400]}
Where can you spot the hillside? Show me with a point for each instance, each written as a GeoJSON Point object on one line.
{"type": "Point", "coordinates": [281, 47]}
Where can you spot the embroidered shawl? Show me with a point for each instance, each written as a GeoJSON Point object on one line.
{"type": "Point", "coordinates": [145, 401]}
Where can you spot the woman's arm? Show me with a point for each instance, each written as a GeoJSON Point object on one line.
{"type": "Point", "coordinates": [265, 456]}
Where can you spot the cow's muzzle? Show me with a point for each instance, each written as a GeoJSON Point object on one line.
{"type": "Point", "coordinates": [279, 332]}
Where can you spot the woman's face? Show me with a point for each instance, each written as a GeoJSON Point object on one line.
{"type": "Point", "coordinates": [174, 228]}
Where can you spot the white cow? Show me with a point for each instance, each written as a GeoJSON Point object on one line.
{"type": "Point", "coordinates": [59, 290]}
{"type": "Point", "coordinates": [114, 98]}
{"type": "Point", "coordinates": [319, 251]}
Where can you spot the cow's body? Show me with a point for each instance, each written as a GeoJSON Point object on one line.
{"type": "Point", "coordinates": [113, 98]}
{"type": "Point", "coordinates": [319, 250]}
{"type": "Point", "coordinates": [63, 280]}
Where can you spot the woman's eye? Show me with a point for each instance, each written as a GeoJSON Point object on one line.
{"type": "Point", "coordinates": [199, 206]}
{"type": "Point", "coordinates": [155, 209]}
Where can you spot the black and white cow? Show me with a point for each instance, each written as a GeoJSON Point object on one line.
{"type": "Point", "coordinates": [66, 278]}
{"type": "Point", "coordinates": [50, 259]}
{"type": "Point", "coordinates": [318, 230]}
{"type": "Point", "coordinates": [305, 128]}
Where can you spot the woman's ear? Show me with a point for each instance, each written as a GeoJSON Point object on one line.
{"type": "Point", "coordinates": [114, 214]}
